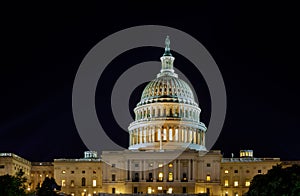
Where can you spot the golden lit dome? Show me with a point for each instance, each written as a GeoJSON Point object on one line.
{"type": "Point", "coordinates": [167, 88]}
{"type": "Point", "coordinates": [167, 117]}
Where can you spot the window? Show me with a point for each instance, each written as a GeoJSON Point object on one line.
{"type": "Point", "coordinates": [63, 171]}
{"type": "Point", "coordinates": [113, 190]}
{"type": "Point", "coordinates": [158, 135]}
{"type": "Point", "coordinates": [2, 166]}
{"type": "Point", "coordinates": [226, 183]}
{"type": "Point", "coordinates": [226, 171]}
{"type": "Point", "coordinates": [170, 178]}
{"type": "Point", "coordinates": [170, 135]}
{"type": "Point", "coordinates": [136, 165]}
{"type": "Point", "coordinates": [83, 171]}
{"type": "Point", "coordinates": [170, 190]}
{"type": "Point", "coordinates": [176, 134]}
{"type": "Point", "coordinates": [236, 171]}
{"type": "Point", "coordinates": [94, 172]}
{"type": "Point", "coordinates": [113, 165]}
{"type": "Point", "coordinates": [94, 183]}
{"type": "Point", "coordinates": [184, 189]}
{"type": "Point", "coordinates": [247, 171]}
{"type": "Point", "coordinates": [165, 135]}
{"type": "Point", "coordinates": [208, 177]}
{"type": "Point", "coordinates": [149, 190]}
{"type": "Point", "coordinates": [82, 181]}
{"type": "Point", "coordinates": [208, 165]}
{"type": "Point", "coordinates": [184, 176]}
{"type": "Point", "coordinates": [160, 176]}
{"type": "Point", "coordinates": [72, 172]}
{"type": "Point", "coordinates": [113, 177]}
{"type": "Point", "coordinates": [247, 183]}
{"type": "Point", "coordinates": [259, 171]}
{"type": "Point", "coordinates": [72, 183]}
{"type": "Point", "coordinates": [236, 183]}
{"type": "Point", "coordinates": [159, 188]}
{"type": "Point", "coordinates": [63, 183]}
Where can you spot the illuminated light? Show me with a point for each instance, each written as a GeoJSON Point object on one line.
{"type": "Point", "coordinates": [170, 176]}
{"type": "Point", "coordinates": [89, 194]}
{"type": "Point", "coordinates": [63, 182]}
{"type": "Point", "coordinates": [118, 192]}
{"type": "Point", "coordinates": [226, 183]}
{"type": "Point", "coordinates": [170, 165]}
{"type": "Point", "coordinates": [226, 171]}
{"type": "Point", "coordinates": [28, 189]}
{"type": "Point", "coordinates": [160, 176]}
{"type": "Point", "coordinates": [208, 178]}
{"type": "Point", "coordinates": [160, 165]}
{"type": "Point", "coordinates": [159, 188]}
{"type": "Point", "coordinates": [170, 190]}
{"type": "Point", "coordinates": [84, 190]}
{"type": "Point", "coordinates": [94, 183]}
{"type": "Point", "coordinates": [72, 194]}
{"type": "Point", "coordinates": [95, 192]}
{"type": "Point", "coordinates": [47, 175]}
{"type": "Point", "coordinates": [247, 183]}
{"type": "Point", "coordinates": [149, 190]}
{"type": "Point", "coordinates": [236, 183]}
{"type": "Point", "coordinates": [41, 175]}
{"type": "Point", "coordinates": [63, 171]}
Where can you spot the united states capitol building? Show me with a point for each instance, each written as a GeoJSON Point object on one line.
{"type": "Point", "coordinates": [166, 152]}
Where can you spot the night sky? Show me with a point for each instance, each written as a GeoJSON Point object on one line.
{"type": "Point", "coordinates": [255, 46]}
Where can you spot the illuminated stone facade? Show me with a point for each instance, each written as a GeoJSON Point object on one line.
{"type": "Point", "coordinates": [79, 176]}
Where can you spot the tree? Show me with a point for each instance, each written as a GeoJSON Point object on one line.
{"type": "Point", "coordinates": [48, 188]}
{"type": "Point", "coordinates": [277, 182]}
{"type": "Point", "coordinates": [13, 185]}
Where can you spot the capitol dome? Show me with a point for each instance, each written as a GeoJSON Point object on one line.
{"type": "Point", "coordinates": [167, 116]}
{"type": "Point", "coordinates": [167, 88]}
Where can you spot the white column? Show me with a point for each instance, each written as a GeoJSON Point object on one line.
{"type": "Point", "coordinates": [144, 170]}
{"type": "Point", "coordinates": [130, 172]}
{"type": "Point", "coordinates": [189, 169]}
{"type": "Point", "coordinates": [194, 169]}
{"type": "Point", "coordinates": [165, 171]}
{"type": "Point", "coordinates": [179, 175]}
{"type": "Point", "coordinates": [175, 170]}
{"type": "Point", "coordinates": [154, 171]}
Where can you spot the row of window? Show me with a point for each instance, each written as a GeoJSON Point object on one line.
{"type": "Point", "coordinates": [73, 172]}
{"type": "Point", "coordinates": [237, 171]}
{"type": "Point", "coordinates": [83, 182]}
{"type": "Point", "coordinates": [170, 165]}
{"type": "Point", "coordinates": [236, 183]}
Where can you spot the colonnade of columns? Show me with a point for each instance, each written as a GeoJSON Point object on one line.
{"type": "Point", "coordinates": [156, 111]}
{"type": "Point", "coordinates": [167, 134]}
{"type": "Point", "coordinates": [179, 170]}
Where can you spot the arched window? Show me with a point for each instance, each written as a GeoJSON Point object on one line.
{"type": "Point", "coordinates": [170, 135]}
{"type": "Point", "coordinates": [160, 176]}
{"type": "Point", "coordinates": [82, 181]}
{"type": "Point", "coordinates": [170, 177]}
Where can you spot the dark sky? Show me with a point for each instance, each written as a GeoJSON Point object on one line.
{"type": "Point", "coordinates": [255, 46]}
